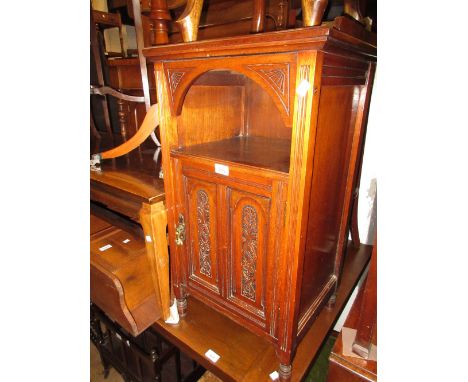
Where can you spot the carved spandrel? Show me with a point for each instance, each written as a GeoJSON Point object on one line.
{"type": "Point", "coordinates": [249, 252]}
{"type": "Point", "coordinates": [277, 76]}
{"type": "Point", "coordinates": [203, 226]}
{"type": "Point", "coordinates": [174, 78]}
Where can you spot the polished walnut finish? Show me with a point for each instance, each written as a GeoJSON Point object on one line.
{"type": "Point", "coordinates": [262, 139]}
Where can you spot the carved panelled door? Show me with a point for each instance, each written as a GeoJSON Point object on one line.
{"type": "Point", "coordinates": [202, 239]}
{"type": "Point", "coordinates": [246, 278]}
{"type": "Point", "coordinates": [229, 255]}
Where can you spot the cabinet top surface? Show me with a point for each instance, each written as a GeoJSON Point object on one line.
{"type": "Point", "coordinates": [341, 34]}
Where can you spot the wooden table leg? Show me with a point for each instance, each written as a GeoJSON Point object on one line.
{"type": "Point", "coordinates": [153, 219]}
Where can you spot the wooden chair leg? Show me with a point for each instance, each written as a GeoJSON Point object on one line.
{"type": "Point", "coordinates": [190, 19]}
{"type": "Point", "coordinates": [178, 365]}
{"type": "Point", "coordinates": [94, 130]}
{"type": "Point", "coordinates": [368, 312]}
{"type": "Point", "coordinates": [312, 12]}
{"type": "Point", "coordinates": [258, 17]}
{"type": "Point", "coordinates": [160, 17]}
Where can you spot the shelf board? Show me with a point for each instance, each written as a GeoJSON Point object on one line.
{"type": "Point", "coordinates": [261, 152]}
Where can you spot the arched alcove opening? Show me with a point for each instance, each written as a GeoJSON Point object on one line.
{"type": "Point", "coordinates": [227, 115]}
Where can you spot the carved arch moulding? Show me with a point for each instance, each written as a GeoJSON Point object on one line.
{"type": "Point", "coordinates": [274, 78]}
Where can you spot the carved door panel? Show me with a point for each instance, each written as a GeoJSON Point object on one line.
{"type": "Point", "coordinates": [202, 207]}
{"type": "Point", "coordinates": [247, 259]}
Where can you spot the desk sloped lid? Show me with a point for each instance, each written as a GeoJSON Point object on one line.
{"type": "Point", "coordinates": [121, 283]}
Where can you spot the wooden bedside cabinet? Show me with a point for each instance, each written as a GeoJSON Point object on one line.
{"type": "Point", "coordinates": [262, 142]}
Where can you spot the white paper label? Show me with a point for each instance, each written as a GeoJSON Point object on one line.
{"type": "Point", "coordinates": [274, 376]}
{"type": "Point", "coordinates": [105, 248]}
{"type": "Point", "coordinates": [148, 238]}
{"type": "Point", "coordinates": [221, 169]}
{"type": "Point", "coordinates": [125, 241]}
{"type": "Point", "coordinates": [212, 356]}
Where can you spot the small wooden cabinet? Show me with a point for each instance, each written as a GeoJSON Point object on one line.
{"type": "Point", "coordinates": [262, 141]}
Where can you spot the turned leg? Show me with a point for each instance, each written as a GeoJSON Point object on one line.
{"type": "Point", "coordinates": [178, 365]}
{"type": "Point", "coordinates": [99, 340]}
{"type": "Point", "coordinates": [156, 364]}
{"type": "Point", "coordinates": [123, 114]}
{"type": "Point", "coordinates": [331, 301]}
{"type": "Point", "coordinates": [153, 219]}
{"type": "Point", "coordinates": [160, 17]}
{"type": "Point", "coordinates": [182, 306]}
{"type": "Point", "coordinates": [285, 372]}
{"type": "Point", "coordinates": [284, 355]}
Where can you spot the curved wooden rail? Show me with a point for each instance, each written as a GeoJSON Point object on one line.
{"type": "Point", "coordinates": [150, 123]}
{"type": "Point", "coordinates": [106, 90]}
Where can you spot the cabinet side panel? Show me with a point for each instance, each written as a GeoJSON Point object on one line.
{"type": "Point", "coordinates": [337, 112]}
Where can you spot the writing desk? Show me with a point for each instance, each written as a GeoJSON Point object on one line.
{"type": "Point", "coordinates": [130, 185]}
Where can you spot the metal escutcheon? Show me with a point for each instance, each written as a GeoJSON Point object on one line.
{"type": "Point", "coordinates": [180, 231]}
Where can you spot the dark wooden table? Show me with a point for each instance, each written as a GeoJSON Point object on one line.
{"type": "Point", "coordinates": [246, 356]}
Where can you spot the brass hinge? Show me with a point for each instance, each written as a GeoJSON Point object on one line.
{"type": "Point", "coordinates": [180, 231]}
